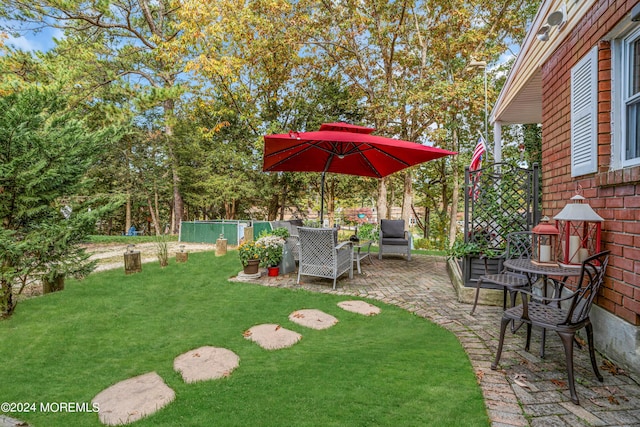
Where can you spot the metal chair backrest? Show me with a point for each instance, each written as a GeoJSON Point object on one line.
{"type": "Point", "coordinates": [591, 278]}
{"type": "Point", "coordinates": [519, 245]}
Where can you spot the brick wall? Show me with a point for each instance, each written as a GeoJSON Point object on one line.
{"type": "Point", "coordinates": [615, 195]}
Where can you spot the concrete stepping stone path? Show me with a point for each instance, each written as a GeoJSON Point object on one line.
{"type": "Point", "coordinates": [138, 397]}
{"type": "Point", "coordinates": [206, 363]}
{"type": "Point", "coordinates": [133, 399]}
{"type": "Point", "coordinates": [272, 337]}
{"type": "Point", "coordinates": [312, 318]}
{"type": "Point", "coordinates": [360, 307]}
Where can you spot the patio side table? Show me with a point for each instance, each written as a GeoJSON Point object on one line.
{"type": "Point", "coordinates": [362, 251]}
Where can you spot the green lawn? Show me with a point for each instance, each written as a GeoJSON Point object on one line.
{"type": "Point", "coordinates": [394, 369]}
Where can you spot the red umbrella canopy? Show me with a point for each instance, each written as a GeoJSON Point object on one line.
{"type": "Point", "coordinates": [346, 149]}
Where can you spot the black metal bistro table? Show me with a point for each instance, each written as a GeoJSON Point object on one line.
{"type": "Point", "coordinates": [527, 266]}
{"type": "Point", "coordinates": [531, 269]}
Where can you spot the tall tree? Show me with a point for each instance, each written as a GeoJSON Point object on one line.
{"type": "Point", "coordinates": [120, 40]}
{"type": "Point", "coordinates": [45, 152]}
{"type": "Point", "coordinates": [408, 60]}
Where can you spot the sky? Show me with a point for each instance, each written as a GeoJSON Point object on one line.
{"type": "Point", "coordinates": [31, 41]}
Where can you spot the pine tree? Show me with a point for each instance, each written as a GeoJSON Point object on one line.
{"type": "Point", "coordinates": [45, 152]}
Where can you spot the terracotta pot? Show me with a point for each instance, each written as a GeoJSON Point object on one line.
{"type": "Point", "coordinates": [274, 271]}
{"type": "Point", "coordinates": [252, 266]}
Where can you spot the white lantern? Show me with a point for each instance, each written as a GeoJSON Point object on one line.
{"type": "Point", "coordinates": [580, 230]}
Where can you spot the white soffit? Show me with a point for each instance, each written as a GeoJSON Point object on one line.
{"type": "Point", "coordinates": [520, 100]}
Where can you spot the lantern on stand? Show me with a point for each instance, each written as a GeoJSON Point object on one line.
{"type": "Point", "coordinates": [545, 236]}
{"type": "Point", "coordinates": [580, 230]}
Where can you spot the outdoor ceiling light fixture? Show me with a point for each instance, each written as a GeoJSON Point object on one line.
{"type": "Point", "coordinates": [555, 19]}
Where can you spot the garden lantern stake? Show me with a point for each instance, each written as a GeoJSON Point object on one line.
{"type": "Point", "coordinates": [580, 232]}
{"type": "Point", "coordinates": [545, 236]}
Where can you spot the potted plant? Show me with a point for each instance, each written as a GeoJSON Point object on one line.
{"type": "Point", "coordinates": [271, 247]}
{"type": "Point", "coordinates": [250, 256]}
{"type": "Point", "coordinates": [475, 258]}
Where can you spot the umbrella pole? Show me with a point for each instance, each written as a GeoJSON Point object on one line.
{"type": "Point", "coordinates": [322, 201]}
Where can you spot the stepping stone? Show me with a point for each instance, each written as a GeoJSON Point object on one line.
{"type": "Point", "coordinates": [272, 337]}
{"type": "Point", "coordinates": [133, 399]}
{"type": "Point", "coordinates": [312, 318]}
{"type": "Point", "coordinates": [206, 363]}
{"type": "Point", "coordinates": [359, 307]}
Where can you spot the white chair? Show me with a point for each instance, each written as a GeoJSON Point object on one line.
{"type": "Point", "coordinates": [322, 256]}
{"type": "Point", "coordinates": [394, 239]}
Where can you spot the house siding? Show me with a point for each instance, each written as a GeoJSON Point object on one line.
{"type": "Point", "coordinates": [614, 194]}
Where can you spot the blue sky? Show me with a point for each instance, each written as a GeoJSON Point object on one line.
{"type": "Point", "coordinates": [30, 40]}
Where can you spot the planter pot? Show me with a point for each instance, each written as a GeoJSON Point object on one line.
{"type": "Point", "coordinates": [54, 284]}
{"type": "Point", "coordinates": [473, 267]}
{"type": "Point", "coordinates": [274, 271]}
{"type": "Point", "coordinates": [252, 266]}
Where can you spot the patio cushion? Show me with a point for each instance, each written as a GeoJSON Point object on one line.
{"type": "Point", "coordinates": [394, 241]}
{"type": "Point", "coordinates": [393, 228]}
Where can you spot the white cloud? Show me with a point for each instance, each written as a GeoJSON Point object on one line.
{"type": "Point", "coordinates": [42, 41]}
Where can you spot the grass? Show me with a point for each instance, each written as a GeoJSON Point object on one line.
{"type": "Point", "coordinates": [388, 370]}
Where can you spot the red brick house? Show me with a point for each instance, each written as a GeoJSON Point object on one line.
{"type": "Point", "coordinates": [578, 74]}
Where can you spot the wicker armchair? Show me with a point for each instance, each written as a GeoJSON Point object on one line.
{"type": "Point", "coordinates": [322, 256]}
{"type": "Point", "coordinates": [394, 239]}
{"type": "Point", "coordinates": [564, 314]}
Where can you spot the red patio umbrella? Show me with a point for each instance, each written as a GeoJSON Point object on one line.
{"type": "Point", "coordinates": [343, 148]}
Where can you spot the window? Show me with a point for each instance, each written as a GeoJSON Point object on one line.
{"type": "Point", "coordinates": [625, 96]}
{"type": "Point", "coordinates": [630, 91]}
{"type": "Point", "coordinates": [584, 115]}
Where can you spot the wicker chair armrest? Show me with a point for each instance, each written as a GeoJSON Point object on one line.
{"type": "Point", "coordinates": [343, 244]}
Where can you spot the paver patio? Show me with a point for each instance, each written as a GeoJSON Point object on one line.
{"type": "Point", "coordinates": [528, 390]}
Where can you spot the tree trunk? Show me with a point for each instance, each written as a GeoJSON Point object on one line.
{"type": "Point", "coordinates": [156, 221]}
{"type": "Point", "coordinates": [178, 202]}
{"type": "Point", "coordinates": [153, 216]}
{"type": "Point", "coordinates": [381, 205]}
{"type": "Point", "coordinates": [283, 197]}
{"type": "Point", "coordinates": [6, 298]}
{"type": "Point", "coordinates": [407, 199]}
{"type": "Point", "coordinates": [330, 206]}
{"type": "Point", "coordinates": [453, 226]}
{"type": "Point", "coordinates": [427, 218]}
{"type": "Point", "coordinates": [127, 213]}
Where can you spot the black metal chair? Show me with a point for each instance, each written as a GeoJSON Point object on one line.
{"type": "Point", "coordinates": [565, 315]}
{"type": "Point", "coordinates": [519, 245]}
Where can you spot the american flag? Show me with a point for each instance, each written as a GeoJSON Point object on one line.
{"type": "Point", "coordinates": [476, 163]}
{"type": "Point", "coordinates": [476, 158]}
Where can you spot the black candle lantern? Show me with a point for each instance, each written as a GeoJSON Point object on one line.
{"type": "Point", "coordinates": [545, 236]}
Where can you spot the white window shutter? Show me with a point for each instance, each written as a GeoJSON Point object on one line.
{"type": "Point", "coordinates": [584, 115]}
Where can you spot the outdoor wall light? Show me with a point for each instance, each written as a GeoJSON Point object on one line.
{"type": "Point", "coordinates": [555, 19]}
{"type": "Point", "coordinates": [543, 33]}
